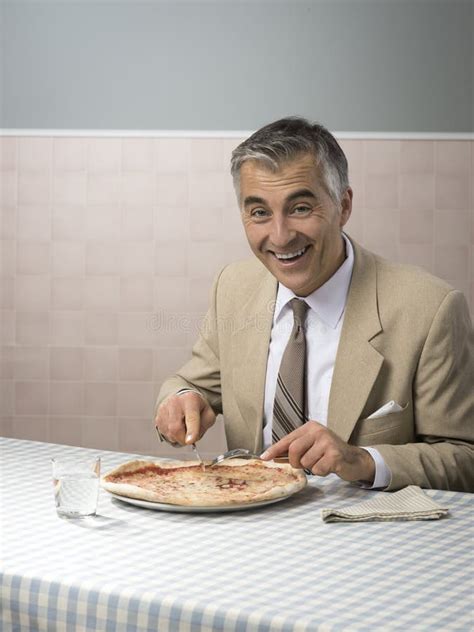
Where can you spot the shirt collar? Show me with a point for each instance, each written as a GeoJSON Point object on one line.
{"type": "Point", "coordinates": [329, 300]}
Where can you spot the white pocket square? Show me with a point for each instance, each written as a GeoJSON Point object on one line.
{"type": "Point", "coordinates": [386, 409]}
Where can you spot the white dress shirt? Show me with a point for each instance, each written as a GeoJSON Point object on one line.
{"type": "Point", "coordinates": [323, 330]}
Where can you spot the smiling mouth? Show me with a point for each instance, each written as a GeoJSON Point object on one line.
{"type": "Point", "coordinates": [290, 256]}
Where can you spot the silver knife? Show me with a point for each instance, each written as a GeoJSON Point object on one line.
{"type": "Point", "coordinates": [196, 452]}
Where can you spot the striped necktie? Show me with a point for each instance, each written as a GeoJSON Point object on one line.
{"type": "Point", "coordinates": [290, 395]}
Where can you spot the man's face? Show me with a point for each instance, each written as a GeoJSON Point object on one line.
{"type": "Point", "coordinates": [292, 224]}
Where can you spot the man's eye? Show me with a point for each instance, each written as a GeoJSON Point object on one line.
{"type": "Point", "coordinates": [259, 213]}
{"type": "Point", "coordinates": [301, 209]}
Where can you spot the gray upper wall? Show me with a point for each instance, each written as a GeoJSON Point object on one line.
{"type": "Point", "coordinates": [355, 65]}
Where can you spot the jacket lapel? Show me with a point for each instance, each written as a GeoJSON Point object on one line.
{"type": "Point", "coordinates": [250, 343]}
{"type": "Point", "coordinates": [357, 362]}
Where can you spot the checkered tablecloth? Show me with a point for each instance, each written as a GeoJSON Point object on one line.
{"type": "Point", "coordinates": [277, 568]}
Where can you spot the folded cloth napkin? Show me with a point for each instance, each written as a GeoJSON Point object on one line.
{"type": "Point", "coordinates": [410, 503]}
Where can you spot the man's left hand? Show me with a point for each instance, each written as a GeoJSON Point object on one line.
{"type": "Point", "coordinates": [314, 447]}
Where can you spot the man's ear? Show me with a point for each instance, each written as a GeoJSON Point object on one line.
{"type": "Point", "coordinates": [346, 207]}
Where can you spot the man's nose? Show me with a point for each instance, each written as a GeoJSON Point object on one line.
{"type": "Point", "coordinates": [281, 233]}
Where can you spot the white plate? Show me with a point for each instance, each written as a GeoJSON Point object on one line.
{"type": "Point", "coordinates": [195, 509]}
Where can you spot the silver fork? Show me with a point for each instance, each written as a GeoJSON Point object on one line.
{"type": "Point", "coordinates": [238, 453]}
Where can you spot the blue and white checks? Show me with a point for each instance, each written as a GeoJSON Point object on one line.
{"type": "Point", "coordinates": [138, 570]}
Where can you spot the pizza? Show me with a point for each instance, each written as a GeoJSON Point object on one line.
{"type": "Point", "coordinates": [187, 483]}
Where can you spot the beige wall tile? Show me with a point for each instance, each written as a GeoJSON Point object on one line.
{"type": "Point", "coordinates": [139, 188]}
{"type": "Point", "coordinates": [67, 363]}
{"type": "Point", "coordinates": [137, 223]}
{"type": "Point", "coordinates": [70, 188]}
{"type": "Point", "coordinates": [381, 225]}
{"type": "Point", "coordinates": [132, 243]}
{"type": "Point", "coordinates": [32, 428]}
{"type": "Point", "coordinates": [101, 328]}
{"type": "Point", "coordinates": [70, 154]}
{"type": "Point", "coordinates": [32, 293]}
{"type": "Point", "coordinates": [31, 363]}
{"type": "Point", "coordinates": [104, 155]}
{"type": "Point", "coordinates": [100, 433]}
{"type": "Point", "coordinates": [453, 229]}
{"type": "Point", "coordinates": [172, 155]}
{"type": "Point", "coordinates": [166, 361]}
{"type": "Point", "coordinates": [135, 365]}
{"type": "Point", "coordinates": [382, 157]}
{"type": "Point", "coordinates": [136, 329]}
{"type": "Point", "coordinates": [101, 399]}
{"type": "Point", "coordinates": [8, 258]}
{"type": "Point", "coordinates": [8, 153]}
{"type": "Point", "coordinates": [67, 328]}
{"type": "Point", "coordinates": [31, 257]}
{"type": "Point", "coordinates": [416, 157]}
{"type": "Point", "coordinates": [452, 192]}
{"type": "Point", "coordinates": [452, 157]}
{"type": "Point", "coordinates": [101, 364]}
{"type": "Point", "coordinates": [8, 221]}
{"type": "Point", "coordinates": [417, 191]}
{"type": "Point", "coordinates": [381, 191]}
{"type": "Point", "coordinates": [6, 426]}
{"type": "Point", "coordinates": [416, 226]}
{"type": "Point", "coordinates": [7, 293]}
{"type": "Point", "coordinates": [418, 255]}
{"type": "Point", "coordinates": [35, 154]}
{"type": "Point", "coordinates": [137, 154]}
{"type": "Point", "coordinates": [7, 398]}
{"type": "Point", "coordinates": [32, 328]}
{"type": "Point", "coordinates": [207, 154]}
{"type": "Point", "coordinates": [136, 259]}
{"type": "Point", "coordinates": [68, 222]}
{"type": "Point", "coordinates": [199, 294]}
{"type": "Point", "coordinates": [171, 224]}
{"type": "Point", "coordinates": [207, 188]}
{"type": "Point", "coordinates": [31, 398]}
{"type": "Point", "coordinates": [136, 399]}
{"type": "Point", "coordinates": [7, 361]}
{"type": "Point", "coordinates": [66, 398]}
{"type": "Point", "coordinates": [355, 154]}
{"type": "Point", "coordinates": [65, 430]}
{"type": "Point", "coordinates": [102, 294]}
{"type": "Point", "coordinates": [172, 189]}
{"type": "Point", "coordinates": [171, 259]}
{"type": "Point", "coordinates": [206, 223]}
{"type": "Point", "coordinates": [102, 258]}
{"type": "Point", "coordinates": [452, 262]}
{"type": "Point", "coordinates": [34, 223]}
{"type": "Point", "coordinates": [9, 188]}
{"type": "Point", "coordinates": [67, 294]}
{"type": "Point", "coordinates": [139, 436]}
{"type": "Point", "coordinates": [171, 294]}
{"type": "Point", "coordinates": [104, 188]}
{"type": "Point", "coordinates": [103, 222]}
{"type": "Point", "coordinates": [7, 327]}
{"type": "Point", "coordinates": [68, 259]}
{"type": "Point", "coordinates": [205, 259]}
{"type": "Point", "coordinates": [136, 295]}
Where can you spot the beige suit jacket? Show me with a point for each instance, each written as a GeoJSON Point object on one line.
{"type": "Point", "coordinates": [406, 336]}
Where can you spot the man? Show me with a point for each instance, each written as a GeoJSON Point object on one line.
{"type": "Point", "coordinates": [368, 375]}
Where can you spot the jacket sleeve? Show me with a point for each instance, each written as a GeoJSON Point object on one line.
{"type": "Point", "coordinates": [443, 397]}
{"type": "Point", "coordinates": [202, 372]}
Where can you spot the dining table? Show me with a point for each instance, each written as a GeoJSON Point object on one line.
{"type": "Point", "coordinates": [278, 567]}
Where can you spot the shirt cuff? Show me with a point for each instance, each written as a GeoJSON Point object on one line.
{"type": "Point", "coordinates": [383, 475]}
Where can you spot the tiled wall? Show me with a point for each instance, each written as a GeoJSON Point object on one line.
{"type": "Point", "coordinates": [109, 247]}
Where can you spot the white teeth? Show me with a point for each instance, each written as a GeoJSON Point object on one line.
{"type": "Point", "coordinates": [290, 255]}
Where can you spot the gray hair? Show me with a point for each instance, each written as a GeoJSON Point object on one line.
{"type": "Point", "coordinates": [283, 140]}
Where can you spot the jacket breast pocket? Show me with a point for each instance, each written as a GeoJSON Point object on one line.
{"type": "Point", "coordinates": [394, 428]}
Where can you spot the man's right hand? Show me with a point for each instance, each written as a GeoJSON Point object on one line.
{"type": "Point", "coordinates": [183, 419]}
